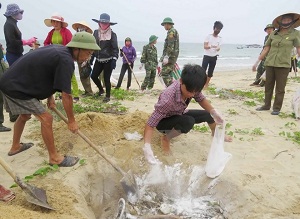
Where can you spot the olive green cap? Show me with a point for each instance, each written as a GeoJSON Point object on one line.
{"type": "Point", "coordinates": [152, 38]}
{"type": "Point", "coordinates": [83, 40]}
{"type": "Point", "coordinates": [269, 26]}
{"type": "Point", "coordinates": [167, 20]}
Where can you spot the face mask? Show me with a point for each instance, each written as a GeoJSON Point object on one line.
{"type": "Point", "coordinates": [18, 16]}
{"type": "Point", "coordinates": [104, 26]}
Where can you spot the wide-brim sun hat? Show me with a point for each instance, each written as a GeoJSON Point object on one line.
{"type": "Point", "coordinates": [278, 19]}
{"type": "Point", "coordinates": [13, 9]}
{"type": "Point", "coordinates": [104, 18]}
{"type": "Point", "coordinates": [152, 38]}
{"type": "Point", "coordinates": [82, 23]}
{"type": "Point", "coordinates": [167, 20]}
{"type": "Point", "coordinates": [55, 17]}
{"type": "Point", "coordinates": [83, 40]}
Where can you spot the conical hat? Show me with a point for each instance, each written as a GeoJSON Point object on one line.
{"type": "Point", "coordinates": [278, 19]}
{"type": "Point", "coordinates": [82, 23]}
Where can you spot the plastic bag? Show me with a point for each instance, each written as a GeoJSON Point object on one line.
{"type": "Point", "coordinates": [133, 136]}
{"type": "Point", "coordinates": [296, 104]}
{"type": "Point", "coordinates": [263, 76]}
{"type": "Point", "coordinates": [217, 158]}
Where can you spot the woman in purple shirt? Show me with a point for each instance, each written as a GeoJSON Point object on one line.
{"type": "Point", "coordinates": [129, 51]}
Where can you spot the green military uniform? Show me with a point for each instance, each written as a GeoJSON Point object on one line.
{"type": "Point", "coordinates": [277, 64]}
{"type": "Point", "coordinates": [261, 66]}
{"type": "Point", "coordinates": [149, 59]}
{"type": "Point", "coordinates": [171, 49]}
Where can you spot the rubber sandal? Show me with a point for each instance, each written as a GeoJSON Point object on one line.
{"type": "Point", "coordinates": [24, 147]}
{"type": "Point", "coordinates": [106, 99]}
{"type": "Point", "coordinates": [4, 129]}
{"type": "Point", "coordinates": [275, 113]}
{"type": "Point", "coordinates": [262, 108]}
{"type": "Point", "coordinates": [68, 161]}
{"type": "Point", "coordinates": [6, 195]}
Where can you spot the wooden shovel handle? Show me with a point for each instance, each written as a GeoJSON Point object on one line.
{"type": "Point", "coordinates": [8, 169]}
{"type": "Point", "coordinates": [87, 140]}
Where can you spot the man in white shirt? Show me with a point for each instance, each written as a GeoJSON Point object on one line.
{"type": "Point", "coordinates": [212, 45]}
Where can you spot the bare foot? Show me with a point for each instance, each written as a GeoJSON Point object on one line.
{"type": "Point", "coordinates": [165, 144]}
{"type": "Point", "coordinates": [227, 138]}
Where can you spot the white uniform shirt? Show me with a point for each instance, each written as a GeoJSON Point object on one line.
{"type": "Point", "coordinates": [212, 41]}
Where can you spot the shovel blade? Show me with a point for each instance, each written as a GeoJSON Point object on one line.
{"type": "Point", "coordinates": [34, 194]}
{"type": "Point", "coordinates": [130, 187]}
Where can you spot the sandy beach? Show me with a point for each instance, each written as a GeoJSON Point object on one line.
{"type": "Point", "coordinates": [261, 180]}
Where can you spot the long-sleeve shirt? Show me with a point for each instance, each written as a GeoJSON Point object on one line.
{"type": "Point", "coordinates": [149, 57]}
{"type": "Point", "coordinates": [171, 45]}
{"type": "Point", "coordinates": [130, 54]}
{"type": "Point", "coordinates": [65, 33]}
{"type": "Point", "coordinates": [13, 37]}
{"type": "Point", "coordinates": [170, 103]}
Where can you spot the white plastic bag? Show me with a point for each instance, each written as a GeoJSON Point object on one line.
{"type": "Point", "coordinates": [133, 136]}
{"type": "Point", "coordinates": [217, 158]}
{"type": "Point", "coordinates": [296, 104]}
{"type": "Point", "coordinates": [263, 76]}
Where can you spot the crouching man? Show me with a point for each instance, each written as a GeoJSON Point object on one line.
{"type": "Point", "coordinates": [171, 117]}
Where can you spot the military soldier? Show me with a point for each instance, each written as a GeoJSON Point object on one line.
{"type": "Point", "coordinates": [261, 68]}
{"type": "Point", "coordinates": [149, 59]}
{"type": "Point", "coordinates": [170, 52]}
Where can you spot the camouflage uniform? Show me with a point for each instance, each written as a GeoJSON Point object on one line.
{"type": "Point", "coordinates": [171, 49]}
{"type": "Point", "coordinates": [149, 58]}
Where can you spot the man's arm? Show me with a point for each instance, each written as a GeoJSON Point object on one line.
{"type": "Point", "coordinates": [148, 132]}
{"type": "Point", "coordinates": [205, 104]}
{"type": "Point", "coordinates": [67, 101]}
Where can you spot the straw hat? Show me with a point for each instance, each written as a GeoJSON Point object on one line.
{"type": "Point", "coordinates": [82, 23]}
{"type": "Point", "coordinates": [55, 17]}
{"type": "Point", "coordinates": [296, 18]}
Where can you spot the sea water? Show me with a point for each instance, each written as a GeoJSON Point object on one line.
{"type": "Point", "coordinates": [230, 57]}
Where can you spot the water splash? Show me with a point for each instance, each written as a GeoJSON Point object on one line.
{"type": "Point", "coordinates": [174, 190]}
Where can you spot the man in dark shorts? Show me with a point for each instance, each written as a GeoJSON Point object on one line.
{"type": "Point", "coordinates": [171, 117]}
{"type": "Point", "coordinates": [37, 76]}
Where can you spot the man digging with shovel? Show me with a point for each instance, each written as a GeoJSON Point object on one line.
{"type": "Point", "coordinates": [37, 76]}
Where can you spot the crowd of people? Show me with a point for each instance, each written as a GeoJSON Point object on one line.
{"type": "Point", "coordinates": [49, 69]}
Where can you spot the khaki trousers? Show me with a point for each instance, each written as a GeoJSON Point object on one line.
{"type": "Point", "coordinates": [275, 77]}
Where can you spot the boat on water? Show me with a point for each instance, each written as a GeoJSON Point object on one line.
{"type": "Point", "coordinates": [249, 46]}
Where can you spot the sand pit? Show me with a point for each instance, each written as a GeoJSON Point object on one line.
{"type": "Point", "coordinates": [260, 181]}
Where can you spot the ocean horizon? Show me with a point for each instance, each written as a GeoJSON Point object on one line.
{"type": "Point", "coordinates": [231, 56]}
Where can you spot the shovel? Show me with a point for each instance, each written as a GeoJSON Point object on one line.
{"type": "Point", "coordinates": [34, 195]}
{"type": "Point", "coordinates": [128, 181]}
{"type": "Point", "coordinates": [131, 69]}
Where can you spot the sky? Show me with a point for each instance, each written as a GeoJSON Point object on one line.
{"type": "Point", "coordinates": [244, 20]}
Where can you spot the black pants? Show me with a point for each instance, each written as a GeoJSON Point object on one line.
{"type": "Point", "coordinates": [184, 123]}
{"type": "Point", "coordinates": [209, 62]}
{"type": "Point", "coordinates": [125, 67]}
{"type": "Point", "coordinates": [107, 70]}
